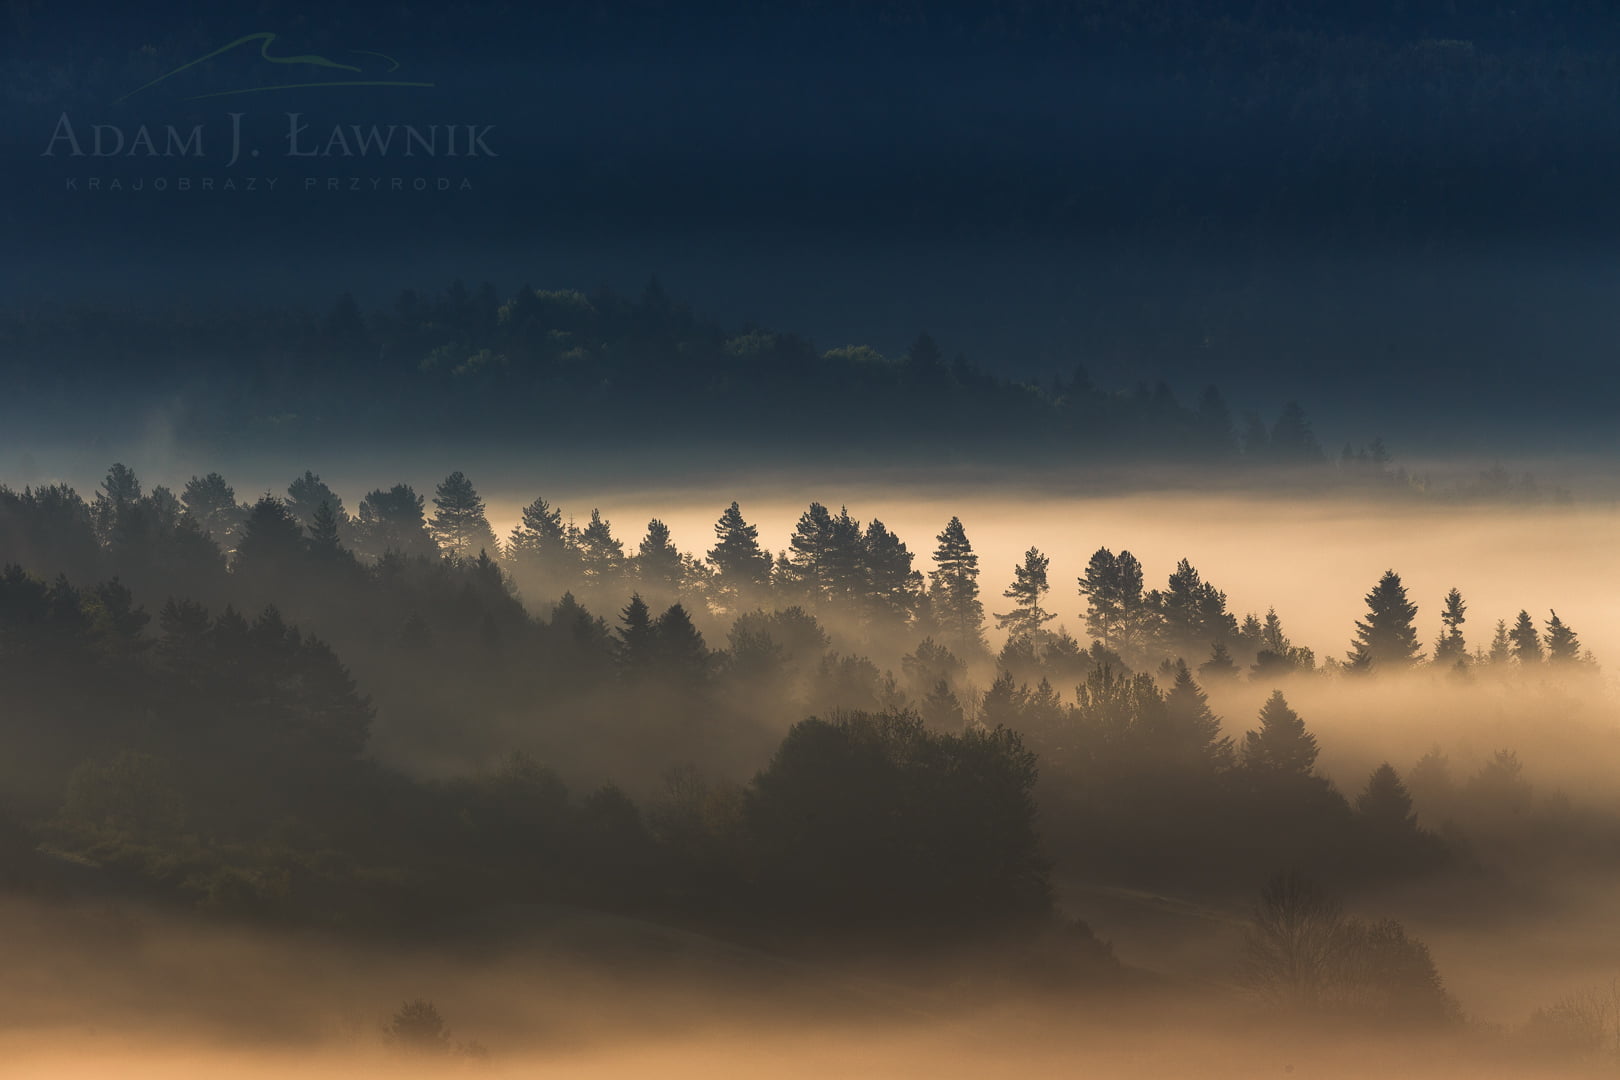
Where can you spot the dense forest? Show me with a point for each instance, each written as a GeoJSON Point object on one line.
{"type": "Point", "coordinates": [554, 369]}
{"type": "Point", "coordinates": [268, 711]}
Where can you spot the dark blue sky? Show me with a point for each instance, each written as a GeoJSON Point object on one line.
{"type": "Point", "coordinates": [1406, 221]}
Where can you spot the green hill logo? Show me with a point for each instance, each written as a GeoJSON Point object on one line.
{"type": "Point", "coordinates": [327, 72]}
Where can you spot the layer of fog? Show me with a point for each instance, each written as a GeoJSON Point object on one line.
{"type": "Point", "coordinates": [99, 992]}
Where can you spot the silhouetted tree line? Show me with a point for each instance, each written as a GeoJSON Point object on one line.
{"type": "Point", "coordinates": [175, 712]}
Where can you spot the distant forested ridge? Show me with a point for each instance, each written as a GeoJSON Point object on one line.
{"type": "Point", "coordinates": [561, 368]}
{"type": "Point", "coordinates": [553, 366]}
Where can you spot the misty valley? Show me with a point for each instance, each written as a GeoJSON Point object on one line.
{"type": "Point", "coordinates": [909, 538]}
{"type": "Point", "coordinates": [274, 763]}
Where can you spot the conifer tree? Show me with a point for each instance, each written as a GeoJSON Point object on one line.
{"type": "Point", "coordinates": [1219, 665]}
{"type": "Point", "coordinates": [1028, 589]}
{"type": "Point", "coordinates": [305, 496]}
{"type": "Point", "coordinates": [601, 556]}
{"type": "Point", "coordinates": [1193, 731]}
{"type": "Point", "coordinates": [658, 563]}
{"type": "Point", "coordinates": [679, 650]}
{"type": "Point", "coordinates": [826, 557]}
{"type": "Point", "coordinates": [211, 503]}
{"type": "Point", "coordinates": [1281, 745]}
{"type": "Point", "coordinates": [1501, 645]}
{"type": "Point", "coordinates": [1563, 647]}
{"type": "Point", "coordinates": [323, 533]}
{"type": "Point", "coordinates": [459, 525]}
{"type": "Point", "coordinates": [1451, 647]}
{"type": "Point", "coordinates": [1387, 639]}
{"type": "Point", "coordinates": [539, 544]}
{"type": "Point", "coordinates": [392, 520]}
{"type": "Point", "coordinates": [741, 567]}
{"type": "Point", "coordinates": [1292, 441]}
{"type": "Point", "coordinates": [954, 591]}
{"type": "Point", "coordinates": [891, 583]}
{"type": "Point", "coordinates": [1116, 610]}
{"type": "Point", "coordinates": [272, 540]}
{"type": "Point", "coordinates": [1526, 642]}
{"type": "Point", "coordinates": [637, 645]}
{"type": "Point", "coordinates": [1385, 802]}
{"type": "Point", "coordinates": [940, 708]}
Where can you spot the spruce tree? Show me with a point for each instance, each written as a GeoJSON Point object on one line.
{"type": "Point", "coordinates": [1193, 731]}
{"type": "Point", "coordinates": [1526, 642]}
{"type": "Point", "coordinates": [1028, 589]}
{"type": "Point", "coordinates": [1386, 803]}
{"type": "Point", "coordinates": [637, 647]}
{"type": "Point", "coordinates": [1387, 639]}
{"type": "Point", "coordinates": [1451, 648]}
{"type": "Point", "coordinates": [1219, 665]}
{"type": "Point", "coordinates": [1563, 647]}
{"type": "Point", "coordinates": [954, 592]}
{"type": "Point", "coordinates": [1501, 645]}
{"type": "Point", "coordinates": [323, 532]}
{"type": "Point", "coordinates": [679, 651]}
{"type": "Point", "coordinates": [1281, 745]}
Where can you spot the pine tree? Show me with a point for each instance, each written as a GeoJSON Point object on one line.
{"type": "Point", "coordinates": [538, 546]}
{"type": "Point", "coordinates": [891, 583]}
{"type": "Point", "coordinates": [272, 539]}
{"type": "Point", "coordinates": [1451, 648]}
{"type": "Point", "coordinates": [1526, 642]}
{"type": "Point", "coordinates": [601, 557]}
{"type": "Point", "coordinates": [1281, 746]}
{"type": "Point", "coordinates": [1563, 647]}
{"type": "Point", "coordinates": [742, 568]}
{"type": "Point", "coordinates": [658, 563]}
{"type": "Point", "coordinates": [211, 503]}
{"type": "Point", "coordinates": [954, 592]}
{"type": "Point", "coordinates": [1028, 589]}
{"type": "Point", "coordinates": [1193, 612]}
{"type": "Point", "coordinates": [1116, 610]}
{"type": "Point", "coordinates": [306, 495]}
{"type": "Point", "coordinates": [459, 525]}
{"type": "Point", "coordinates": [826, 556]}
{"type": "Point", "coordinates": [1387, 639]}
{"type": "Point", "coordinates": [1386, 803]}
{"type": "Point", "coordinates": [392, 521]}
